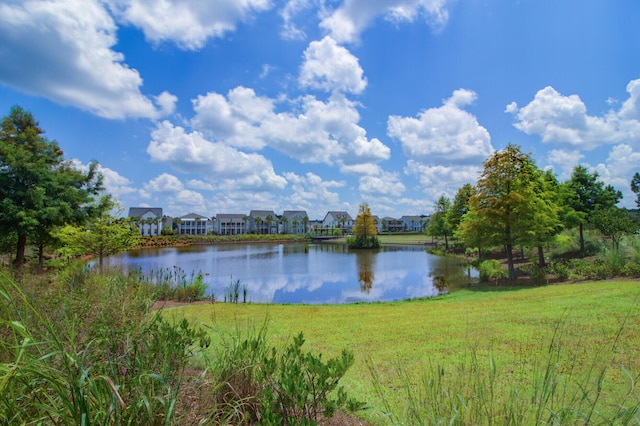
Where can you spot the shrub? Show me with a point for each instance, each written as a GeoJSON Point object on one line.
{"type": "Point", "coordinates": [491, 270]}
{"type": "Point", "coordinates": [364, 242]}
{"type": "Point", "coordinates": [559, 269]}
{"type": "Point", "coordinates": [264, 385]}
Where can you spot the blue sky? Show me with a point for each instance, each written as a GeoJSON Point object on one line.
{"type": "Point", "coordinates": [231, 105]}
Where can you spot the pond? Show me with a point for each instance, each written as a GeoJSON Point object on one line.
{"type": "Point", "coordinates": [307, 273]}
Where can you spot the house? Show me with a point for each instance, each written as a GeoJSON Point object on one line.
{"type": "Point", "coordinates": [338, 220]}
{"type": "Point", "coordinates": [231, 224]}
{"type": "Point", "coordinates": [148, 219]}
{"type": "Point", "coordinates": [390, 224]}
{"type": "Point", "coordinates": [294, 222]}
{"type": "Point", "coordinates": [263, 222]}
{"type": "Point", "coordinates": [413, 223]}
{"type": "Point", "coordinates": [193, 224]}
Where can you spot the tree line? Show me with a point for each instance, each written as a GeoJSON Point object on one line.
{"type": "Point", "coordinates": [515, 204]}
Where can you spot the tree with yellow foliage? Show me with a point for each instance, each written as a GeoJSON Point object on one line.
{"type": "Point", "coordinates": [364, 230]}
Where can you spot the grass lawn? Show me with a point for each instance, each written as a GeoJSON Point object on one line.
{"type": "Point", "coordinates": [505, 339]}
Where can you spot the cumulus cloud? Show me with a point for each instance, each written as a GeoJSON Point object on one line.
{"type": "Point", "coordinates": [187, 23]}
{"type": "Point", "coordinates": [564, 119]}
{"type": "Point", "coordinates": [384, 183]}
{"type": "Point", "coordinates": [74, 40]}
{"type": "Point", "coordinates": [314, 131]}
{"type": "Point", "coordinates": [448, 133]}
{"type": "Point", "coordinates": [564, 161]}
{"type": "Point", "coordinates": [310, 192]}
{"type": "Point", "coordinates": [177, 196]}
{"type": "Point", "coordinates": [618, 169]}
{"type": "Point", "coordinates": [113, 182]}
{"type": "Point", "coordinates": [330, 67]}
{"type": "Point", "coordinates": [441, 179]}
{"type": "Point", "coordinates": [193, 153]}
{"type": "Point", "coordinates": [346, 23]}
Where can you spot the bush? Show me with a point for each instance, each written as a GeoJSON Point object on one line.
{"type": "Point", "coordinates": [371, 242]}
{"type": "Point", "coordinates": [264, 385]}
{"type": "Point", "coordinates": [491, 270]}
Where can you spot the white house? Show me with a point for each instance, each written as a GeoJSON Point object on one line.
{"type": "Point", "coordinates": [263, 222]}
{"type": "Point", "coordinates": [231, 223]}
{"type": "Point", "coordinates": [194, 224]}
{"type": "Point", "coordinates": [413, 223]}
{"type": "Point", "coordinates": [338, 220]}
{"type": "Point", "coordinates": [149, 220]}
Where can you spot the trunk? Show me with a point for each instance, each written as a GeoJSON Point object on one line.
{"type": "Point", "coordinates": [41, 257]}
{"type": "Point", "coordinates": [512, 269]}
{"type": "Point", "coordinates": [541, 262]}
{"type": "Point", "coordinates": [22, 244]}
{"type": "Point", "coordinates": [581, 240]}
{"type": "Point", "coordinates": [446, 242]}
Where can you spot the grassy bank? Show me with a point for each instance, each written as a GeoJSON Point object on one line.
{"type": "Point", "coordinates": [508, 355]}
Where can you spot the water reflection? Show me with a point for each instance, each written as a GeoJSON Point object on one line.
{"type": "Point", "coordinates": [366, 264]}
{"type": "Point", "coordinates": [310, 273]}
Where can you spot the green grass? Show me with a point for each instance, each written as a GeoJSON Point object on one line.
{"type": "Point", "coordinates": [524, 354]}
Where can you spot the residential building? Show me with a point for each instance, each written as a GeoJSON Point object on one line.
{"type": "Point", "coordinates": [194, 224]}
{"type": "Point", "coordinates": [338, 220]}
{"type": "Point", "coordinates": [390, 224]}
{"type": "Point", "coordinates": [231, 224]}
{"type": "Point", "coordinates": [263, 222]}
{"type": "Point", "coordinates": [294, 222]}
{"type": "Point", "coordinates": [148, 219]}
{"type": "Point", "coordinates": [413, 223]}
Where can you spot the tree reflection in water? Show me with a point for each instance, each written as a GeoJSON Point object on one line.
{"type": "Point", "coordinates": [366, 260]}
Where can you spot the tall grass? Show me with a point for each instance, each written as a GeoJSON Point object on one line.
{"type": "Point", "coordinates": [92, 354]}
{"type": "Point", "coordinates": [86, 349]}
{"type": "Point", "coordinates": [560, 387]}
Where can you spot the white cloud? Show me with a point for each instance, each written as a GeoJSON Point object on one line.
{"type": "Point", "coordinates": [310, 192]}
{"type": "Point", "coordinates": [564, 119]}
{"type": "Point", "coordinates": [330, 67]}
{"type": "Point", "coordinates": [618, 170]}
{"type": "Point", "coordinates": [564, 161]}
{"type": "Point", "coordinates": [198, 184]}
{"type": "Point", "coordinates": [289, 11]}
{"type": "Point", "coordinates": [114, 183]}
{"type": "Point", "coordinates": [313, 132]}
{"type": "Point", "coordinates": [445, 134]}
{"type": "Point", "coordinates": [215, 162]}
{"type": "Point", "coordinates": [72, 40]}
{"type": "Point", "coordinates": [384, 183]}
{"type": "Point", "coordinates": [164, 183]}
{"type": "Point", "coordinates": [187, 23]}
{"type": "Point", "coordinates": [235, 119]}
{"type": "Point", "coordinates": [347, 22]}
{"type": "Point", "coordinates": [440, 179]}
{"type": "Point", "coordinates": [176, 197]}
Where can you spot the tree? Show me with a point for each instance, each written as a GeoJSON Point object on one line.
{"type": "Point", "coordinates": [506, 203]}
{"type": "Point", "coordinates": [365, 230]}
{"type": "Point", "coordinates": [614, 223]}
{"type": "Point", "coordinates": [101, 237]}
{"type": "Point", "coordinates": [38, 188]}
{"type": "Point", "coordinates": [585, 194]}
{"type": "Point", "coordinates": [460, 206]}
{"type": "Point", "coordinates": [635, 187]}
{"type": "Point", "coordinates": [439, 223]}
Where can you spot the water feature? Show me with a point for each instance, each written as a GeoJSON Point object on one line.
{"type": "Point", "coordinates": [309, 273]}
